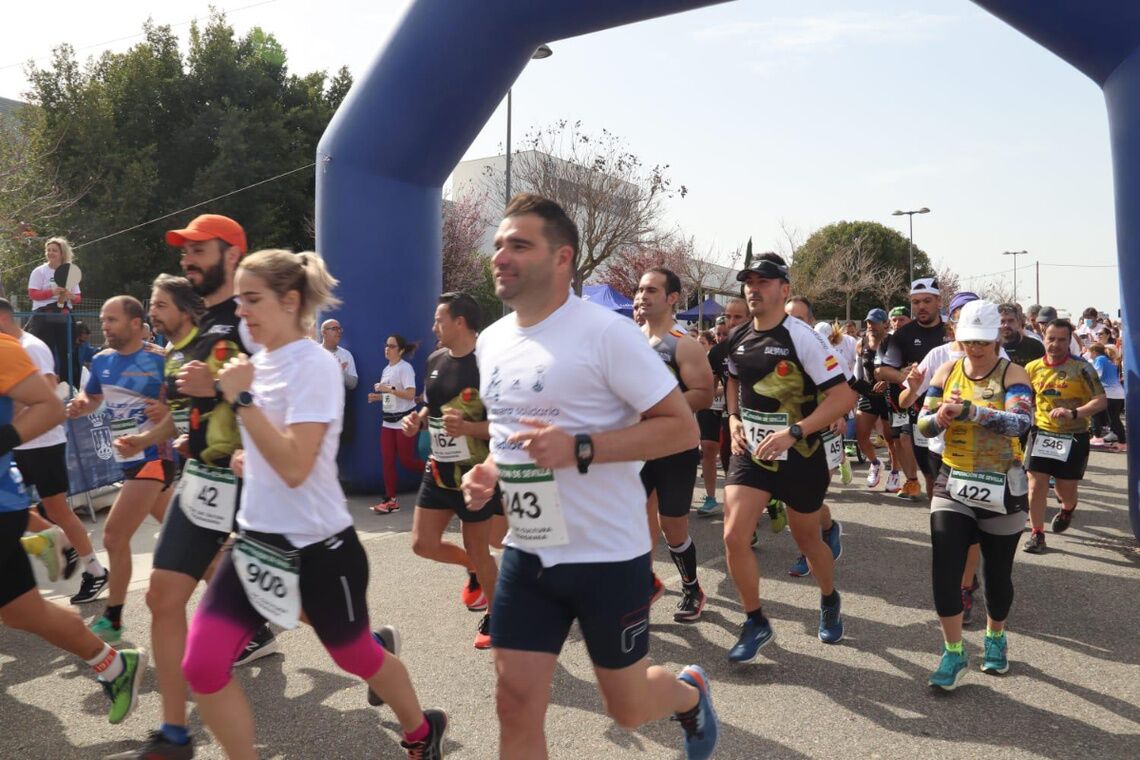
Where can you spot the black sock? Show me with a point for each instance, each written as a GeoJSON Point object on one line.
{"type": "Point", "coordinates": [114, 613]}
{"type": "Point", "coordinates": [757, 615]}
{"type": "Point", "coordinates": [830, 600]}
{"type": "Point", "coordinates": [472, 580]}
{"type": "Point", "coordinates": [685, 558]}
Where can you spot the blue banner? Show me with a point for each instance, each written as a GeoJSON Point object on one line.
{"type": "Point", "coordinates": [90, 457]}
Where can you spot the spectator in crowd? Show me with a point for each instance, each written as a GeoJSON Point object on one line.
{"type": "Point", "coordinates": [397, 393]}
{"type": "Point", "coordinates": [1086, 328]}
{"type": "Point", "coordinates": [331, 332]}
{"type": "Point", "coordinates": [52, 303]}
{"type": "Point", "coordinates": [900, 315]}
{"type": "Point", "coordinates": [1107, 427]}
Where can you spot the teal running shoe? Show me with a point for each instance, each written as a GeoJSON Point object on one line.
{"type": "Point", "coordinates": [950, 671]}
{"type": "Point", "coordinates": [105, 629]}
{"type": "Point", "coordinates": [709, 508]}
{"type": "Point", "coordinates": [996, 661]}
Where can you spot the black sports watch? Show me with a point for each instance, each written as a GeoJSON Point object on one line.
{"type": "Point", "coordinates": [584, 451]}
{"type": "Point", "coordinates": [796, 432]}
{"type": "Point", "coordinates": [244, 398]}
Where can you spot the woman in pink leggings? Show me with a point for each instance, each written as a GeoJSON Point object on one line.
{"type": "Point", "coordinates": [397, 391]}
{"type": "Point", "coordinates": [297, 555]}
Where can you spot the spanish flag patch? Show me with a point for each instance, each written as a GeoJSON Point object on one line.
{"type": "Point", "coordinates": [830, 362]}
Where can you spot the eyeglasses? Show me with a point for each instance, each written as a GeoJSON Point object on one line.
{"type": "Point", "coordinates": [391, 345]}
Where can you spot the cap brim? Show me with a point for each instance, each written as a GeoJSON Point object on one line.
{"type": "Point", "coordinates": [976, 333]}
{"type": "Point", "coordinates": [178, 238]}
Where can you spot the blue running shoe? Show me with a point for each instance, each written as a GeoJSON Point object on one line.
{"type": "Point", "coordinates": [709, 508]}
{"type": "Point", "coordinates": [753, 637]}
{"type": "Point", "coordinates": [831, 621]}
{"type": "Point", "coordinates": [702, 726]}
{"type": "Point", "coordinates": [996, 662]}
{"type": "Point", "coordinates": [950, 671]}
{"type": "Point", "coordinates": [799, 568]}
{"type": "Point", "coordinates": [834, 539]}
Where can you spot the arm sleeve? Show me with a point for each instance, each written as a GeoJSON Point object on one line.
{"type": "Point", "coordinates": [631, 368]}
{"type": "Point", "coordinates": [927, 422]}
{"type": "Point", "coordinates": [1015, 419]}
{"type": "Point", "coordinates": [316, 393]}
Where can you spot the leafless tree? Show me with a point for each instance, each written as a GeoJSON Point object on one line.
{"type": "Point", "coordinates": [849, 272]}
{"type": "Point", "coordinates": [614, 198]}
{"type": "Point", "coordinates": [998, 290]}
{"type": "Point", "coordinates": [889, 287]}
{"type": "Point", "coordinates": [790, 239]}
{"type": "Point", "coordinates": [465, 221]}
{"type": "Point", "coordinates": [949, 282]}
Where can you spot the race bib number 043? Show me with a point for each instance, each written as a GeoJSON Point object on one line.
{"type": "Point", "coordinates": [530, 500]}
{"type": "Point", "coordinates": [760, 425]}
{"type": "Point", "coordinates": [271, 579]}
{"type": "Point", "coordinates": [984, 490]}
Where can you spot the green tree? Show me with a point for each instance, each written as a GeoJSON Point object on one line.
{"type": "Point", "coordinates": [147, 132]}
{"type": "Point", "coordinates": [879, 247]}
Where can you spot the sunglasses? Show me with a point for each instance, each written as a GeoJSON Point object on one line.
{"type": "Point", "coordinates": [977, 343]}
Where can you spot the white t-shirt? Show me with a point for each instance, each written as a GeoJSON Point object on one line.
{"type": "Point", "coordinates": [348, 366]}
{"type": "Point", "coordinates": [848, 351]}
{"type": "Point", "coordinates": [550, 371]}
{"type": "Point", "coordinates": [42, 358]}
{"type": "Point", "coordinates": [299, 382]}
{"type": "Point", "coordinates": [400, 376]}
{"type": "Point", "coordinates": [930, 363]}
{"type": "Point", "coordinates": [43, 278]}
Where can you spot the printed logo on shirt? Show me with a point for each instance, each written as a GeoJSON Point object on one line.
{"type": "Point", "coordinates": [540, 379]}
{"type": "Point", "coordinates": [774, 351]}
{"type": "Point", "coordinates": [220, 329]}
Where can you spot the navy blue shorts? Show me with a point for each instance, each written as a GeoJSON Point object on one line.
{"type": "Point", "coordinates": [535, 606]}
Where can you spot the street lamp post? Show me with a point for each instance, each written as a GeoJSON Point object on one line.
{"type": "Point", "coordinates": [542, 51]}
{"type": "Point", "coordinates": [910, 215]}
{"type": "Point", "coordinates": [1014, 254]}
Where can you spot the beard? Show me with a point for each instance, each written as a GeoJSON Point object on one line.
{"type": "Point", "coordinates": [212, 279]}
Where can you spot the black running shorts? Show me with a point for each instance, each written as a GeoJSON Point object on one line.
{"type": "Point", "coordinates": [800, 482]}
{"type": "Point", "coordinates": [433, 495]}
{"type": "Point", "coordinates": [16, 576]}
{"type": "Point", "coordinates": [708, 421]}
{"type": "Point", "coordinates": [674, 478]}
{"type": "Point", "coordinates": [45, 468]}
{"type": "Point", "coordinates": [1072, 468]}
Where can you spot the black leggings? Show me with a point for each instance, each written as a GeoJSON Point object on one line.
{"type": "Point", "coordinates": [951, 534]}
{"type": "Point", "coordinates": [1110, 418]}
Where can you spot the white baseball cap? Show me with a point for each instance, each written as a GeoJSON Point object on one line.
{"type": "Point", "coordinates": [978, 320]}
{"type": "Point", "coordinates": [824, 329]}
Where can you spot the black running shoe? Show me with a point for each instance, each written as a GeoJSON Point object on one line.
{"type": "Point", "coordinates": [389, 638]}
{"type": "Point", "coordinates": [431, 747]}
{"type": "Point", "coordinates": [690, 606]}
{"type": "Point", "coordinates": [263, 644]}
{"type": "Point", "coordinates": [90, 587]}
{"type": "Point", "coordinates": [1060, 523]}
{"type": "Point", "coordinates": [70, 562]}
{"type": "Point", "coordinates": [157, 747]}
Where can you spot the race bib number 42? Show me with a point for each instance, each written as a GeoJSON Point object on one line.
{"type": "Point", "coordinates": [530, 500]}
{"type": "Point", "coordinates": [208, 496]}
{"type": "Point", "coordinates": [760, 425]}
{"type": "Point", "coordinates": [1051, 446]}
{"type": "Point", "coordinates": [984, 490]}
{"type": "Point", "coordinates": [271, 579]}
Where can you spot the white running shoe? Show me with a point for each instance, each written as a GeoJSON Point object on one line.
{"type": "Point", "coordinates": [894, 482]}
{"type": "Point", "coordinates": [874, 474]}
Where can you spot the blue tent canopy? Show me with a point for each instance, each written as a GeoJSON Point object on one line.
{"type": "Point", "coordinates": [707, 310]}
{"type": "Point", "coordinates": [604, 295]}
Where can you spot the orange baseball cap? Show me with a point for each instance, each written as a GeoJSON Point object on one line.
{"type": "Point", "coordinates": [209, 227]}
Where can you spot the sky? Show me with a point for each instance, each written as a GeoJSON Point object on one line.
{"type": "Point", "coordinates": [774, 115]}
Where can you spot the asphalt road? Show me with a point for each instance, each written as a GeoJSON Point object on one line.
{"type": "Point", "coordinates": [1073, 689]}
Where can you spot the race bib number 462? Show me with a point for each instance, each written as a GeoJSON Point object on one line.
{"type": "Point", "coordinates": [530, 500]}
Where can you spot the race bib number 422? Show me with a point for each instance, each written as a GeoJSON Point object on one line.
{"type": "Point", "coordinates": [984, 490]}
{"type": "Point", "coordinates": [530, 500]}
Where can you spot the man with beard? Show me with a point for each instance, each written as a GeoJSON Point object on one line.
{"type": "Point", "coordinates": [202, 514]}
{"type": "Point", "coordinates": [1021, 350]}
{"type": "Point", "coordinates": [908, 346]}
{"type": "Point", "coordinates": [125, 375]}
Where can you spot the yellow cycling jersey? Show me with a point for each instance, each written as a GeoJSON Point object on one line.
{"type": "Point", "coordinates": [969, 446]}
{"type": "Point", "coordinates": [1066, 386]}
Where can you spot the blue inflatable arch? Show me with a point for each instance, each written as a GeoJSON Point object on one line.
{"type": "Point", "coordinates": [409, 119]}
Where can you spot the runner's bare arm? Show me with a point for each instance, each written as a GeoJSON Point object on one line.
{"type": "Point", "coordinates": [83, 404]}
{"type": "Point", "coordinates": [667, 427]}
{"type": "Point", "coordinates": [737, 440]}
{"type": "Point", "coordinates": [696, 374]}
{"type": "Point", "coordinates": [40, 411]}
